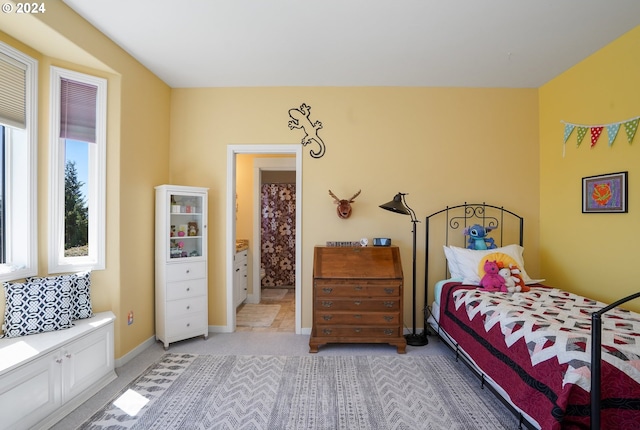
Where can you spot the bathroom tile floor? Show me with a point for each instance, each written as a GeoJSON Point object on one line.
{"type": "Point", "coordinates": [285, 321]}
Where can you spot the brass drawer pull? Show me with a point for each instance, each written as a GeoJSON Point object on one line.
{"type": "Point", "coordinates": [389, 290]}
{"type": "Point", "coordinates": [327, 304]}
{"type": "Point", "coordinates": [388, 331]}
{"type": "Point", "coordinates": [326, 331]}
{"type": "Point", "coordinates": [388, 304]}
{"type": "Point", "coordinates": [358, 330]}
{"type": "Point", "coordinates": [357, 316]}
{"type": "Point", "coordinates": [358, 288]}
{"type": "Point", "coordinates": [327, 290]}
{"type": "Point", "coordinates": [357, 303]}
{"type": "Point", "coordinates": [388, 318]}
{"type": "Point", "coordinates": [327, 317]}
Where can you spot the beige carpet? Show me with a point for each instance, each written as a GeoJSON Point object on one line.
{"type": "Point", "coordinates": [273, 293]}
{"type": "Point", "coordinates": [257, 315]}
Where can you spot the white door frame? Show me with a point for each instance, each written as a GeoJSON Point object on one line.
{"type": "Point", "coordinates": [232, 150]}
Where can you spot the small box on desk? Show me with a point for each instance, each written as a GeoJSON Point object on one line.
{"type": "Point", "coordinates": [381, 241]}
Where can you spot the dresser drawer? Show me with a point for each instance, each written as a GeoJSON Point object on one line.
{"type": "Point", "coordinates": [186, 289]}
{"type": "Point", "coordinates": [357, 318]}
{"type": "Point", "coordinates": [358, 289]}
{"type": "Point", "coordinates": [355, 331]}
{"type": "Point", "coordinates": [184, 307]}
{"type": "Point", "coordinates": [186, 271]}
{"type": "Point", "coordinates": [241, 257]}
{"type": "Point", "coordinates": [357, 305]}
{"type": "Point", "coordinates": [187, 326]}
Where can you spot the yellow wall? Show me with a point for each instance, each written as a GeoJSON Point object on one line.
{"type": "Point", "coordinates": [590, 254]}
{"type": "Point", "coordinates": [137, 157]}
{"type": "Point", "coordinates": [443, 146]}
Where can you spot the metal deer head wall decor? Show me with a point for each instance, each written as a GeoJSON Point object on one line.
{"type": "Point", "coordinates": [344, 206]}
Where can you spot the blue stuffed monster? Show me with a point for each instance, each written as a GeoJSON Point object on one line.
{"type": "Point", "coordinates": [478, 237]}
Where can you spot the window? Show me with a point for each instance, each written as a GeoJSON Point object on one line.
{"type": "Point", "coordinates": [78, 154]}
{"type": "Point", "coordinates": [18, 164]}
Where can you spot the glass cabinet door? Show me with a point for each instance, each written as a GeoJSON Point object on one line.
{"type": "Point", "coordinates": [186, 225]}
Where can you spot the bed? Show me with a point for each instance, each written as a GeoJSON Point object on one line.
{"type": "Point", "coordinates": [534, 349]}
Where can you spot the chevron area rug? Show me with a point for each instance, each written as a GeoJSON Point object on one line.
{"type": "Point", "coordinates": [185, 391]}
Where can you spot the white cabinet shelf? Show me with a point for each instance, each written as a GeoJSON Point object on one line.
{"type": "Point", "coordinates": [181, 263]}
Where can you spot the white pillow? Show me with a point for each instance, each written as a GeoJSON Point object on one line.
{"type": "Point", "coordinates": [464, 263]}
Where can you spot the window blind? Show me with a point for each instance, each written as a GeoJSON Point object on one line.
{"type": "Point", "coordinates": [78, 110]}
{"type": "Point", "coordinates": [13, 92]}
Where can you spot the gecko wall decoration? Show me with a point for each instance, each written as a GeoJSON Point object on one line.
{"type": "Point", "coordinates": [300, 119]}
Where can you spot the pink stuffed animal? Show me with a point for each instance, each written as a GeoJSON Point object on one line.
{"type": "Point", "coordinates": [492, 281]}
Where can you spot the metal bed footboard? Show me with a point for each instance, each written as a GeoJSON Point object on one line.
{"type": "Point", "coordinates": [596, 357]}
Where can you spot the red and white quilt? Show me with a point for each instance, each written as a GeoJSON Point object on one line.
{"type": "Point", "coordinates": [556, 323]}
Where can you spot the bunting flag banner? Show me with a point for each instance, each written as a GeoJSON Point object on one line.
{"type": "Point", "coordinates": [581, 133]}
{"type": "Point", "coordinates": [568, 129]}
{"type": "Point", "coordinates": [595, 134]}
{"type": "Point", "coordinates": [612, 132]}
{"type": "Point", "coordinates": [630, 127]}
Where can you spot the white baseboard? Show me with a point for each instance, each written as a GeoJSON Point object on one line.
{"type": "Point", "coordinates": [119, 362]}
{"type": "Point", "coordinates": [219, 329]}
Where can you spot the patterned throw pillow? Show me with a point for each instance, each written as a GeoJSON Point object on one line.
{"type": "Point", "coordinates": [82, 296]}
{"type": "Point", "coordinates": [80, 291]}
{"type": "Point", "coordinates": [36, 307]}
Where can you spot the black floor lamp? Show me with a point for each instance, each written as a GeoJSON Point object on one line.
{"type": "Point", "coordinates": [399, 205]}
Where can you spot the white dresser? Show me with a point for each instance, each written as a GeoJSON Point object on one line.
{"type": "Point", "coordinates": [181, 263]}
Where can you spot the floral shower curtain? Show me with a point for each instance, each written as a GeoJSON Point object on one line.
{"type": "Point", "coordinates": [278, 234]}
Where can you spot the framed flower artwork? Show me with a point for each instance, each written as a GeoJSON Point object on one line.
{"type": "Point", "coordinates": [605, 193]}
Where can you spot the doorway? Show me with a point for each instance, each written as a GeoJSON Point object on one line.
{"type": "Point", "coordinates": [274, 192]}
{"type": "Point", "coordinates": [289, 163]}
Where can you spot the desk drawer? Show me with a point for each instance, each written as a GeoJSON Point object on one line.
{"type": "Point", "coordinates": [355, 318]}
{"type": "Point", "coordinates": [357, 289]}
{"type": "Point", "coordinates": [186, 271]}
{"type": "Point", "coordinates": [356, 331]}
{"type": "Point", "coordinates": [358, 305]}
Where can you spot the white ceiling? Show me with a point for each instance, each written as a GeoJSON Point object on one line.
{"type": "Point", "coordinates": [461, 43]}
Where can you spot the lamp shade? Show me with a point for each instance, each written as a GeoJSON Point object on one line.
{"type": "Point", "coordinates": [396, 205]}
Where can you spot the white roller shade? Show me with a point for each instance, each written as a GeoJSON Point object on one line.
{"type": "Point", "coordinates": [13, 92]}
{"type": "Point", "coordinates": [78, 110]}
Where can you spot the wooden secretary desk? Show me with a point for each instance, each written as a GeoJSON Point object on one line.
{"type": "Point", "coordinates": [357, 296]}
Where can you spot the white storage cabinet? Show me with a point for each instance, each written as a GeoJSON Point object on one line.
{"type": "Point", "coordinates": [45, 376]}
{"type": "Point", "coordinates": [240, 280]}
{"type": "Point", "coordinates": [181, 263]}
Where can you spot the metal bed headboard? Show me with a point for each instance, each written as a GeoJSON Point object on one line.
{"type": "Point", "coordinates": [450, 222]}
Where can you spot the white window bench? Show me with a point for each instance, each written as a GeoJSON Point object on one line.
{"type": "Point", "coordinates": [45, 376]}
